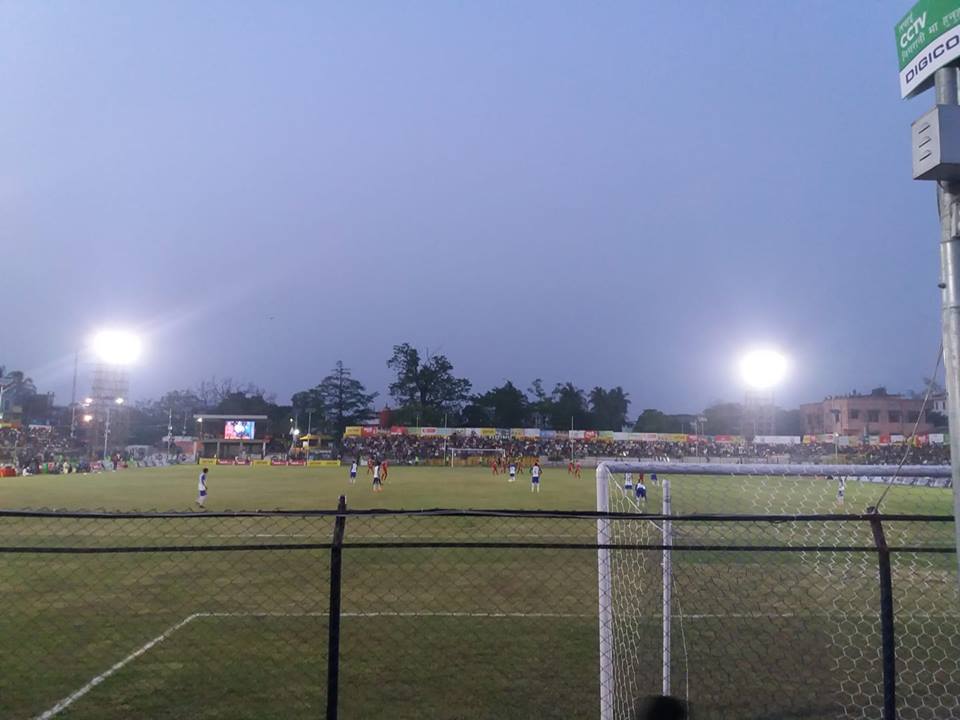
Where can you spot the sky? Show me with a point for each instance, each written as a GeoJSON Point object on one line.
{"type": "Point", "coordinates": [613, 193]}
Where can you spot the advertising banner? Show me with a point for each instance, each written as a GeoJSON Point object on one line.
{"type": "Point", "coordinates": [516, 433]}
{"type": "Point", "coordinates": [577, 434]}
{"type": "Point", "coordinates": [548, 434]}
{"type": "Point", "coordinates": [352, 431]}
{"type": "Point", "coordinates": [589, 434]}
{"type": "Point", "coordinates": [531, 432]}
{"type": "Point", "coordinates": [605, 435]}
{"type": "Point", "coordinates": [884, 439]}
{"type": "Point", "coordinates": [323, 463]}
{"type": "Point", "coordinates": [928, 38]}
{"type": "Point", "coordinates": [277, 462]}
{"type": "Point", "coordinates": [261, 462]}
{"type": "Point", "coordinates": [428, 432]}
{"type": "Point", "coordinates": [936, 438]}
{"type": "Point", "coordinates": [398, 430]}
{"type": "Point", "coordinates": [369, 431]}
{"type": "Point", "coordinates": [488, 432]}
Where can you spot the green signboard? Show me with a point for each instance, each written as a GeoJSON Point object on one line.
{"type": "Point", "coordinates": [928, 37]}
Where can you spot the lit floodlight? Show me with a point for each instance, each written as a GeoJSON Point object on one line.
{"type": "Point", "coordinates": [118, 401]}
{"type": "Point", "coordinates": [763, 369]}
{"type": "Point", "coordinates": [87, 418]}
{"type": "Point", "coordinates": [116, 347]}
{"type": "Point", "coordinates": [296, 431]}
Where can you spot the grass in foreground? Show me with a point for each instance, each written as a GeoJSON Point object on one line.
{"type": "Point", "coordinates": [443, 633]}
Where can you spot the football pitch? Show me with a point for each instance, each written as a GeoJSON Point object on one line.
{"type": "Point", "coordinates": [209, 617]}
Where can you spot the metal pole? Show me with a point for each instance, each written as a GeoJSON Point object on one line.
{"type": "Point", "coordinates": [605, 596]}
{"type": "Point", "coordinates": [948, 200]}
{"type": "Point", "coordinates": [886, 620]}
{"type": "Point", "coordinates": [333, 626]}
{"type": "Point", "coordinates": [667, 585]}
{"type": "Point", "coordinates": [106, 434]}
{"type": "Point", "coordinates": [169, 431]}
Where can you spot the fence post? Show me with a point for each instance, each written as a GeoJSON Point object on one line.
{"type": "Point", "coordinates": [333, 639]}
{"type": "Point", "coordinates": [886, 618]}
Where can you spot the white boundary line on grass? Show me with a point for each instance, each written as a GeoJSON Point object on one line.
{"type": "Point", "coordinates": [73, 697]}
{"type": "Point", "coordinates": [70, 699]}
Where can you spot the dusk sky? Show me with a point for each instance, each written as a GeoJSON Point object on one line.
{"type": "Point", "coordinates": [609, 193]}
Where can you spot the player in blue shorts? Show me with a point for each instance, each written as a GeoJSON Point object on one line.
{"type": "Point", "coordinates": [513, 471]}
{"type": "Point", "coordinates": [640, 492]}
{"type": "Point", "coordinates": [535, 477]}
{"type": "Point", "coordinates": [353, 472]}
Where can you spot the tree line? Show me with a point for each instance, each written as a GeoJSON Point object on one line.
{"type": "Point", "coordinates": [425, 390]}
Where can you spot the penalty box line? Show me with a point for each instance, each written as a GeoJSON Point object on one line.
{"type": "Point", "coordinates": [76, 695]}
{"type": "Point", "coordinates": [116, 667]}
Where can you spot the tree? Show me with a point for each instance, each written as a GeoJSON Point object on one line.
{"type": "Point", "coordinates": [505, 406]}
{"type": "Point", "coordinates": [343, 400]}
{"type": "Point", "coordinates": [568, 404]}
{"type": "Point", "coordinates": [608, 408]}
{"type": "Point", "coordinates": [655, 421]}
{"type": "Point", "coordinates": [212, 392]}
{"type": "Point", "coordinates": [539, 406]}
{"type": "Point", "coordinates": [723, 419]}
{"type": "Point", "coordinates": [425, 387]}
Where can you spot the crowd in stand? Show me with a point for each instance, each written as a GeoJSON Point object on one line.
{"type": "Point", "coordinates": [411, 448]}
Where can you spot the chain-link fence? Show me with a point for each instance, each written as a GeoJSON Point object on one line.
{"type": "Point", "coordinates": [455, 614]}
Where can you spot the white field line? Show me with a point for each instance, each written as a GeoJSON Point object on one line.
{"type": "Point", "coordinates": [73, 697]}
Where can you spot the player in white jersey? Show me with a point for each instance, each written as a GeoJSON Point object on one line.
{"type": "Point", "coordinates": [640, 491]}
{"type": "Point", "coordinates": [627, 484]}
{"type": "Point", "coordinates": [377, 483]}
{"type": "Point", "coordinates": [513, 471]}
{"type": "Point", "coordinates": [202, 489]}
{"type": "Point", "coordinates": [841, 488]}
{"type": "Point", "coordinates": [535, 477]}
{"type": "Point", "coordinates": [353, 472]}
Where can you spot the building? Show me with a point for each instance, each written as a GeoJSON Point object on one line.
{"type": "Point", "coordinates": [878, 413]}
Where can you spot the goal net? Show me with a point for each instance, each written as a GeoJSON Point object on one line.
{"type": "Point", "coordinates": [473, 456]}
{"type": "Point", "coordinates": [689, 624]}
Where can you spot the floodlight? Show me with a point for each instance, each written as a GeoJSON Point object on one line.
{"type": "Point", "coordinates": [116, 347]}
{"type": "Point", "coordinates": [295, 431]}
{"type": "Point", "coordinates": [118, 401]}
{"type": "Point", "coordinates": [762, 369]}
{"type": "Point", "coordinates": [87, 418]}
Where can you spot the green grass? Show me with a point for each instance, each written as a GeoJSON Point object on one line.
{"type": "Point", "coordinates": [456, 633]}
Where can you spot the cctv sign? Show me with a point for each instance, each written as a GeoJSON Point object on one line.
{"type": "Point", "coordinates": [928, 37]}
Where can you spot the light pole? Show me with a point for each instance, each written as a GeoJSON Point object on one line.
{"type": "Point", "coordinates": [762, 370]}
{"type": "Point", "coordinates": [106, 427]}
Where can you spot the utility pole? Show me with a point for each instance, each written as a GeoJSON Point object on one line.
{"type": "Point", "coordinates": [948, 201]}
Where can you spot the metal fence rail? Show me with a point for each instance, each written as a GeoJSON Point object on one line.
{"type": "Point", "coordinates": [472, 614]}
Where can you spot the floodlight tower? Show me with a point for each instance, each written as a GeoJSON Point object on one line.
{"type": "Point", "coordinates": [114, 351]}
{"type": "Point", "coordinates": [762, 370]}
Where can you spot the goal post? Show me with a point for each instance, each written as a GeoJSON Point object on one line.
{"type": "Point", "coordinates": [473, 456]}
{"type": "Point", "coordinates": [632, 581]}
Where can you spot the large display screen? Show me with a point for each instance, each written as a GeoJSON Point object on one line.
{"type": "Point", "coordinates": [238, 430]}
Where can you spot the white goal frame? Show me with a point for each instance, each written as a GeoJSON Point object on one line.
{"type": "Point", "coordinates": [605, 473]}
{"type": "Point", "coordinates": [450, 452]}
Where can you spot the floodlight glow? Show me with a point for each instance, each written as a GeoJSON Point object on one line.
{"type": "Point", "coordinates": [119, 401]}
{"type": "Point", "coordinates": [763, 369]}
{"type": "Point", "coordinates": [116, 347]}
{"type": "Point", "coordinates": [87, 418]}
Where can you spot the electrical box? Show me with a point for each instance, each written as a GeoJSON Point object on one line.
{"type": "Point", "coordinates": [936, 144]}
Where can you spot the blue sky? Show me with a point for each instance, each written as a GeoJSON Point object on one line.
{"type": "Point", "coordinates": [614, 193]}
